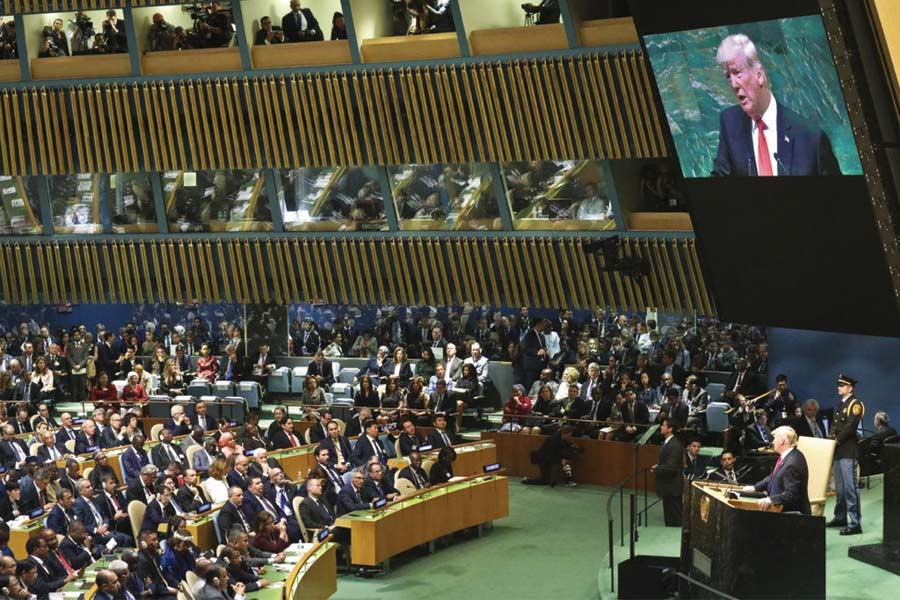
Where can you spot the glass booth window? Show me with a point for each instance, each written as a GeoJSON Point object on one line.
{"type": "Point", "coordinates": [76, 33]}
{"type": "Point", "coordinates": [8, 48]}
{"type": "Point", "coordinates": [185, 27]}
{"type": "Point", "coordinates": [218, 200]}
{"type": "Point", "coordinates": [331, 199]}
{"type": "Point", "coordinates": [75, 200]}
{"type": "Point", "coordinates": [564, 194]}
{"type": "Point", "coordinates": [129, 197]}
{"type": "Point", "coordinates": [20, 213]}
{"type": "Point", "coordinates": [444, 197]}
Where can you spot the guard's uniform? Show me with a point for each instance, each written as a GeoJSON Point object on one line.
{"type": "Point", "coordinates": [847, 418]}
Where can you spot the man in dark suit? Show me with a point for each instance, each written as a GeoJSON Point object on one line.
{"type": "Point", "coordinates": [89, 514]}
{"type": "Point", "coordinates": [27, 390]}
{"type": "Point", "coordinates": [190, 496]}
{"type": "Point", "coordinates": [300, 25]}
{"type": "Point", "coordinates": [239, 476]}
{"type": "Point", "coordinates": [355, 424]}
{"type": "Point", "coordinates": [669, 477]}
{"type": "Point", "coordinates": [727, 473]}
{"type": "Point", "coordinates": [319, 431]}
{"type": "Point", "coordinates": [368, 445]}
{"type": "Point", "coordinates": [112, 504]}
{"type": "Point", "coordinates": [409, 440]}
{"type": "Point", "coordinates": [350, 496]}
{"type": "Point", "coordinates": [158, 509]}
{"type": "Point", "coordinates": [338, 447]}
{"type": "Point", "coordinates": [12, 450]}
{"type": "Point", "coordinates": [76, 547]}
{"type": "Point", "coordinates": [758, 434]}
{"type": "Point", "coordinates": [87, 440]}
{"type": "Point", "coordinates": [533, 351]}
{"type": "Point", "coordinates": [134, 459]}
{"type": "Point", "coordinates": [166, 452]}
{"type": "Point", "coordinates": [376, 486]}
{"type": "Point", "coordinates": [634, 413]}
{"type": "Point", "coordinates": [142, 487]}
{"type": "Point", "coordinates": [810, 423]}
{"type": "Point", "coordinates": [286, 438]}
{"type": "Point", "coordinates": [413, 472]}
{"type": "Point", "coordinates": [321, 368]}
{"type": "Point", "coordinates": [178, 423]}
{"type": "Point", "coordinates": [314, 510]}
{"type": "Point", "coordinates": [61, 516]}
{"type": "Point", "coordinates": [34, 491]}
{"type": "Point", "coordinates": [149, 569]}
{"type": "Point", "coordinates": [38, 552]}
{"type": "Point", "coordinates": [49, 451]}
{"type": "Point", "coordinates": [694, 464]}
{"type": "Point", "coordinates": [256, 501]}
{"type": "Point", "coordinates": [760, 136]}
{"type": "Point", "coordinates": [440, 436]}
{"type": "Point", "coordinates": [231, 514]}
{"type": "Point", "coordinates": [787, 485]}
{"type": "Point", "coordinates": [199, 418]}
{"type": "Point", "coordinates": [21, 423]}
{"type": "Point", "coordinates": [307, 342]}
{"type": "Point", "coordinates": [281, 493]}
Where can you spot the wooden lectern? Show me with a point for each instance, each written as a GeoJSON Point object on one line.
{"type": "Point", "coordinates": [731, 546]}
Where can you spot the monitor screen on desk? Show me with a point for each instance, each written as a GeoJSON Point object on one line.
{"type": "Point", "coordinates": [204, 508]}
{"type": "Point", "coordinates": [323, 535]}
{"type": "Point", "coordinates": [491, 468]}
{"type": "Point", "coordinates": [380, 502]}
{"type": "Point", "coordinates": [36, 513]}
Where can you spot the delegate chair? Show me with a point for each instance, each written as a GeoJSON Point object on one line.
{"type": "Point", "coordinates": [249, 391]}
{"type": "Point", "coordinates": [136, 510]}
{"type": "Point", "coordinates": [819, 455]}
{"type": "Point", "coordinates": [198, 387]}
{"type": "Point", "coordinates": [279, 381]}
{"type": "Point", "coordinates": [297, 377]}
{"type": "Point", "coordinates": [223, 389]}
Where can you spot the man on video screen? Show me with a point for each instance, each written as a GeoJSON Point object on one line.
{"type": "Point", "coordinates": [759, 136]}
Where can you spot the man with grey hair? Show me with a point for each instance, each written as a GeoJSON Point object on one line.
{"type": "Point", "coordinates": [760, 136]}
{"type": "Point", "coordinates": [810, 423]}
{"type": "Point", "coordinates": [883, 431]}
{"type": "Point", "coordinates": [787, 485]}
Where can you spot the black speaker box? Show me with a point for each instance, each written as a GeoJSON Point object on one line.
{"type": "Point", "coordinates": [648, 577]}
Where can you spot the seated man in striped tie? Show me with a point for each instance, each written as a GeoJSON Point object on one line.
{"type": "Point", "coordinates": [413, 472]}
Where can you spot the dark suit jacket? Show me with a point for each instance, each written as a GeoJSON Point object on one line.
{"type": "Point", "coordinates": [20, 427]}
{"type": "Point", "coordinates": [187, 501]}
{"type": "Point", "coordinates": [280, 440]}
{"type": "Point", "coordinates": [156, 514]}
{"type": "Point", "coordinates": [43, 453]}
{"type": "Point", "coordinates": [669, 477]}
{"type": "Point", "coordinates": [58, 521]}
{"type": "Point", "coordinates": [8, 454]}
{"type": "Point", "coordinates": [753, 439]}
{"type": "Point", "coordinates": [803, 148]}
{"type": "Point", "coordinates": [801, 426]}
{"type": "Point", "coordinates": [106, 506]}
{"type": "Point", "coordinates": [161, 458]}
{"type": "Point", "coordinates": [86, 516]}
{"type": "Point", "coordinates": [131, 462]}
{"type": "Point", "coordinates": [291, 34]}
{"type": "Point", "coordinates": [787, 486]}
{"type": "Point", "coordinates": [409, 444]}
{"type": "Point", "coordinates": [406, 473]}
{"type": "Point", "coordinates": [372, 492]}
{"type": "Point", "coordinates": [229, 517]}
{"type": "Point", "coordinates": [324, 371]}
{"type": "Point", "coordinates": [34, 393]}
{"type": "Point", "coordinates": [83, 442]}
{"type": "Point", "coordinates": [315, 516]}
{"type": "Point", "coordinates": [346, 451]}
{"type": "Point", "coordinates": [44, 584]}
{"type": "Point", "coordinates": [349, 500]}
{"type": "Point", "coordinates": [447, 403]}
{"type": "Point", "coordinates": [76, 555]}
{"type": "Point", "coordinates": [234, 478]}
{"type": "Point", "coordinates": [135, 491]}
{"type": "Point", "coordinates": [529, 348]}
{"type": "Point", "coordinates": [363, 451]}
{"type": "Point", "coordinates": [697, 469]}
{"type": "Point", "coordinates": [405, 373]}
{"type": "Point", "coordinates": [436, 441]}
{"type": "Point", "coordinates": [182, 429]}
{"type": "Point", "coordinates": [109, 439]}
{"type": "Point", "coordinates": [29, 499]}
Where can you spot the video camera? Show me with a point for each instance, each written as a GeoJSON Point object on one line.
{"type": "Point", "coordinates": [85, 24]}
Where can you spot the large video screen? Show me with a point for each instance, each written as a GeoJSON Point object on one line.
{"type": "Point", "coordinates": [754, 99]}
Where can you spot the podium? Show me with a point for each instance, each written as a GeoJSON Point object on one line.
{"type": "Point", "coordinates": [731, 546]}
{"type": "Point", "coordinates": [886, 555]}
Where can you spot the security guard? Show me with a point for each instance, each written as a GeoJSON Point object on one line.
{"type": "Point", "coordinates": [847, 418]}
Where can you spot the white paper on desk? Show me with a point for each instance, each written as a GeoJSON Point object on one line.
{"type": "Point", "coordinates": [72, 594]}
{"type": "Point", "coordinates": [5, 177]}
{"type": "Point", "coordinates": [84, 186]}
{"type": "Point", "coordinates": [169, 187]}
{"type": "Point", "coordinates": [57, 596]}
{"type": "Point", "coordinates": [245, 194]}
{"type": "Point", "coordinates": [111, 544]}
{"type": "Point", "coordinates": [208, 192]}
{"type": "Point", "coordinates": [9, 190]}
{"type": "Point", "coordinates": [277, 585]}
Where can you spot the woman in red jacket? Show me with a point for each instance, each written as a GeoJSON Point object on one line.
{"type": "Point", "coordinates": [134, 392]}
{"type": "Point", "coordinates": [104, 393]}
{"type": "Point", "coordinates": [269, 537]}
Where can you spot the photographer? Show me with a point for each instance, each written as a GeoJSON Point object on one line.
{"type": "Point", "coordinates": [58, 39]}
{"type": "Point", "coordinates": [8, 48]}
{"type": "Point", "coordinates": [338, 27]}
{"type": "Point", "coordinates": [547, 11]}
{"type": "Point", "coordinates": [181, 40]}
{"type": "Point", "coordinates": [114, 32]}
{"type": "Point", "coordinates": [267, 34]}
{"type": "Point", "coordinates": [215, 28]}
{"type": "Point", "coordinates": [83, 36]}
{"type": "Point", "coordinates": [161, 36]}
{"type": "Point", "coordinates": [300, 25]}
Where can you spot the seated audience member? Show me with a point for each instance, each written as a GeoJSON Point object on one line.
{"type": "Point", "coordinates": [545, 379]}
{"type": "Point", "coordinates": [10, 505]}
{"type": "Point", "coordinates": [104, 393]}
{"type": "Point", "coordinates": [25, 583]}
{"type": "Point", "coordinates": [442, 469]}
{"type": "Point", "coordinates": [546, 406]}
{"type": "Point", "coordinates": [267, 34]}
{"type": "Point", "coordinates": [322, 370]}
{"type": "Point", "coordinates": [239, 572]}
{"type": "Point", "coordinates": [413, 472]}
{"type": "Point", "coordinates": [134, 459]}
{"type": "Point", "coordinates": [673, 409]}
{"type": "Point", "coordinates": [300, 25]}
{"type": "Point", "coordinates": [350, 498]}
{"type": "Point", "coordinates": [178, 558]}
{"type": "Point", "coordinates": [758, 434]}
{"type": "Point", "coordinates": [216, 484]}
{"type": "Point", "coordinates": [149, 569]}
{"type": "Point", "coordinates": [440, 436]}
{"type": "Point", "coordinates": [142, 487]}
{"type": "Point", "coordinates": [518, 405]}
{"type": "Point", "coordinates": [338, 446]}
{"type": "Point", "coordinates": [556, 450]}
{"type": "Point", "coordinates": [399, 367]}
{"type": "Point", "coordinates": [165, 452]}
{"type": "Point", "coordinates": [697, 400]}
{"type": "Point", "coordinates": [134, 392]}
{"type": "Point", "coordinates": [112, 504]}
{"type": "Point", "coordinates": [215, 586]}
{"type": "Point", "coordinates": [270, 537]}
{"type": "Point", "coordinates": [286, 438]}
{"type": "Point", "coordinates": [883, 431]}
{"type": "Point", "coordinates": [47, 581]}
{"type": "Point", "coordinates": [207, 365]}
{"type": "Point", "coordinates": [313, 394]}
{"type": "Point", "coordinates": [319, 431]}
{"type": "Point", "coordinates": [191, 496]}
{"type": "Point", "coordinates": [355, 424]}
{"type": "Point", "coordinates": [694, 464]}
{"type": "Point", "coordinates": [726, 473]}
{"type": "Point", "coordinates": [368, 445]}
{"type": "Point", "coordinates": [178, 424]}
{"type": "Point", "coordinates": [77, 547]}
{"type": "Point", "coordinates": [409, 439]}
{"type": "Point", "coordinates": [98, 526]}
{"type": "Point", "coordinates": [314, 510]}
{"type": "Point", "coordinates": [234, 370]}
{"type": "Point", "coordinates": [376, 486]}
{"type": "Point", "coordinates": [231, 514]}
{"type": "Point", "coordinates": [239, 474]}
{"type": "Point", "coordinates": [338, 27]}
{"type": "Point", "coordinates": [87, 441]}
{"type": "Point", "coordinates": [204, 457]}
{"type": "Point", "coordinates": [228, 446]}
{"type": "Point", "coordinates": [158, 510]}
{"type": "Point", "coordinates": [250, 437]}
{"type": "Point", "coordinates": [102, 470]}
{"type": "Point", "coordinates": [810, 423]}
{"type": "Point", "coordinates": [366, 395]}
{"type": "Point", "coordinates": [13, 451]}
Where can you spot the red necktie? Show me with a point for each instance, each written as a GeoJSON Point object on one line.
{"type": "Point", "coordinates": [65, 563]}
{"type": "Point", "coordinates": [293, 441]}
{"type": "Point", "coordinates": [777, 464]}
{"type": "Point", "coordinates": [115, 502]}
{"type": "Point", "coordinates": [764, 163]}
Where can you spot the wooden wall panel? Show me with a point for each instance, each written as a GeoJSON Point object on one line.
{"type": "Point", "coordinates": [587, 106]}
{"type": "Point", "coordinates": [541, 272]}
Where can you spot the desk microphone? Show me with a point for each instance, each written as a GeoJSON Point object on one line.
{"type": "Point", "coordinates": [782, 170]}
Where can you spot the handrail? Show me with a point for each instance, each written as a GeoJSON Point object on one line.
{"type": "Point", "coordinates": [693, 581]}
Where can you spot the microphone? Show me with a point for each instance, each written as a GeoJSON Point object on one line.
{"type": "Point", "coordinates": [782, 170]}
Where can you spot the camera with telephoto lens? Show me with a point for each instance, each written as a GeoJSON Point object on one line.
{"type": "Point", "coordinates": [85, 24]}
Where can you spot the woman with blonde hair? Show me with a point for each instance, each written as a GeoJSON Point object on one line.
{"type": "Point", "coordinates": [216, 486]}
{"type": "Point", "coordinates": [569, 378]}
